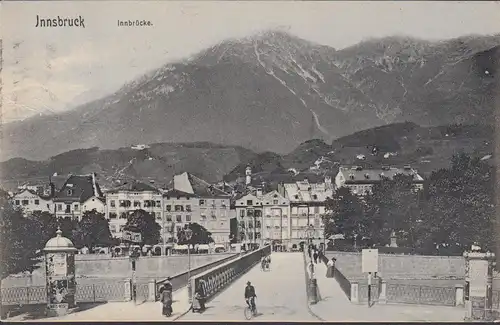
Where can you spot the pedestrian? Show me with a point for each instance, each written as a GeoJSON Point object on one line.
{"type": "Point", "coordinates": [330, 268]}
{"type": "Point", "coordinates": [200, 295]}
{"type": "Point", "coordinates": [315, 256]}
{"type": "Point", "coordinates": [309, 251]}
{"type": "Point", "coordinates": [166, 298]}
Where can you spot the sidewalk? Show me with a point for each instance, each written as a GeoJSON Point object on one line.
{"type": "Point", "coordinates": [124, 311]}
{"type": "Point", "coordinates": [335, 306]}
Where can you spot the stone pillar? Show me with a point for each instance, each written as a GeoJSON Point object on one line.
{"type": "Point", "coordinates": [152, 290]}
{"type": "Point", "coordinates": [60, 275]}
{"type": "Point", "coordinates": [382, 299]}
{"type": "Point", "coordinates": [127, 296]}
{"type": "Point", "coordinates": [459, 295]}
{"type": "Point", "coordinates": [479, 291]}
{"type": "Point", "coordinates": [354, 293]}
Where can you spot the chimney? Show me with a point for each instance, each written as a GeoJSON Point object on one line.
{"type": "Point", "coordinates": [259, 192]}
{"type": "Point", "coordinates": [263, 187]}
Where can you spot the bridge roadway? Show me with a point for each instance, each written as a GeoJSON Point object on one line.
{"type": "Point", "coordinates": [281, 294]}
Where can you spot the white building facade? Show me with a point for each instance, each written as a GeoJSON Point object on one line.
{"type": "Point", "coordinates": [30, 201]}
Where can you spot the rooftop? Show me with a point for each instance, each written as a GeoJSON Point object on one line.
{"type": "Point", "coordinates": [79, 188]}
{"type": "Point", "coordinates": [133, 186]}
{"type": "Point", "coordinates": [189, 183]}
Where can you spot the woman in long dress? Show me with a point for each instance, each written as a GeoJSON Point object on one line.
{"type": "Point", "coordinates": [330, 268]}
{"type": "Point", "coordinates": [166, 298]}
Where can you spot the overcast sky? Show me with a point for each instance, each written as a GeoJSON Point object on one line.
{"type": "Point", "coordinates": [52, 69]}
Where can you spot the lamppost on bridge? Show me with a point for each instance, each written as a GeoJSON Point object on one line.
{"type": "Point", "coordinates": [313, 285]}
{"type": "Point", "coordinates": [188, 234]}
{"type": "Point", "coordinates": [134, 256]}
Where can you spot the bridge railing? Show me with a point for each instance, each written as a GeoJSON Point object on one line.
{"type": "Point", "coordinates": [219, 277]}
{"type": "Point", "coordinates": [181, 279]}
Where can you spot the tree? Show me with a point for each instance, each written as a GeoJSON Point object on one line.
{"type": "Point", "coordinates": [16, 249]}
{"type": "Point", "coordinates": [346, 215]}
{"type": "Point", "coordinates": [459, 208]}
{"type": "Point", "coordinates": [393, 207]}
{"type": "Point", "coordinates": [144, 223]}
{"type": "Point", "coordinates": [200, 235]}
{"type": "Point", "coordinates": [92, 230]}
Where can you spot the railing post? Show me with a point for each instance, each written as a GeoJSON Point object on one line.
{"type": "Point", "coordinates": [93, 292]}
{"type": "Point", "coordinates": [459, 295]}
{"type": "Point", "coordinates": [27, 295]}
{"type": "Point", "coordinates": [383, 293]}
{"type": "Point", "coordinates": [151, 290]}
{"type": "Point", "coordinates": [354, 293]}
{"type": "Point", "coordinates": [128, 290]}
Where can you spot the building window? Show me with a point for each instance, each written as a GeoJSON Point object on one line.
{"type": "Point", "coordinates": [202, 202]}
{"type": "Point", "coordinates": [76, 207]}
{"type": "Point", "coordinates": [250, 213]}
{"type": "Point", "coordinates": [316, 209]}
{"type": "Point", "coordinates": [203, 217]}
{"type": "Point", "coordinates": [112, 203]}
{"type": "Point", "coordinates": [25, 202]}
{"type": "Point", "coordinates": [179, 208]}
{"type": "Point", "coordinates": [158, 204]}
{"type": "Point", "coordinates": [122, 227]}
{"type": "Point", "coordinates": [188, 218]}
{"type": "Point", "coordinates": [249, 202]}
{"type": "Point", "coordinates": [17, 202]}
{"type": "Point", "coordinates": [169, 207]}
{"type": "Point", "coordinates": [123, 215]}
{"type": "Point", "coordinates": [68, 208]}
{"type": "Point", "coordinates": [158, 215]}
{"type": "Point", "coordinates": [59, 207]}
{"type": "Point", "coordinates": [37, 202]}
{"type": "Point", "coordinates": [178, 218]}
{"type": "Point", "coordinates": [214, 217]}
{"type": "Point", "coordinates": [169, 217]}
{"type": "Point", "coordinates": [137, 204]}
{"type": "Point", "coordinates": [70, 192]}
{"type": "Point", "coordinates": [112, 215]}
{"type": "Point", "coordinates": [275, 201]}
{"type": "Point", "coordinates": [242, 213]}
{"type": "Point", "coordinates": [188, 208]}
{"type": "Point", "coordinates": [125, 203]}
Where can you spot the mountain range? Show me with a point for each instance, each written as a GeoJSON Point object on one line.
{"type": "Point", "coordinates": [424, 148]}
{"type": "Point", "coordinates": [273, 91]}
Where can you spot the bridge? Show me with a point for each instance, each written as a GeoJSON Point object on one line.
{"type": "Point", "coordinates": [282, 295]}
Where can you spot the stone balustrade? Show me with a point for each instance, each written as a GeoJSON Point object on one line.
{"type": "Point", "coordinates": [221, 276]}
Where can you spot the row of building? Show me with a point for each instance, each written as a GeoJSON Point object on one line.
{"type": "Point", "coordinates": [280, 216]}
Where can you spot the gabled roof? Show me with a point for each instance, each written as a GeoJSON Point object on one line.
{"type": "Point", "coordinates": [43, 197]}
{"type": "Point", "coordinates": [248, 196]}
{"type": "Point", "coordinates": [78, 188]}
{"type": "Point", "coordinates": [133, 186]}
{"type": "Point", "coordinates": [176, 193]}
{"type": "Point", "coordinates": [356, 174]}
{"type": "Point", "coordinates": [189, 183]}
{"type": "Point", "coordinates": [273, 195]}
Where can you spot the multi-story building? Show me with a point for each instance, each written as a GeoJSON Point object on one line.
{"type": "Point", "coordinates": [211, 205]}
{"type": "Point", "coordinates": [361, 180]}
{"type": "Point", "coordinates": [249, 217]}
{"type": "Point", "coordinates": [275, 219]}
{"type": "Point", "coordinates": [307, 208]}
{"type": "Point", "coordinates": [30, 201]}
{"type": "Point", "coordinates": [70, 200]}
{"type": "Point", "coordinates": [263, 218]}
{"type": "Point", "coordinates": [179, 209]}
{"type": "Point", "coordinates": [129, 197]}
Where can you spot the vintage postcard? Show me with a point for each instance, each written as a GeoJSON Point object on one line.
{"type": "Point", "coordinates": [249, 161]}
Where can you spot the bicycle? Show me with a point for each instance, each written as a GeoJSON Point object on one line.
{"type": "Point", "coordinates": [249, 313]}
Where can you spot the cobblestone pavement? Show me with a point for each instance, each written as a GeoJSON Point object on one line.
{"type": "Point", "coordinates": [124, 311]}
{"type": "Point", "coordinates": [335, 307]}
{"type": "Point", "coordinates": [281, 294]}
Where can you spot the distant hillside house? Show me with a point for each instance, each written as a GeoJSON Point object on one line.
{"type": "Point", "coordinates": [128, 197]}
{"type": "Point", "coordinates": [211, 203]}
{"type": "Point", "coordinates": [70, 199]}
{"type": "Point", "coordinates": [30, 201]}
{"type": "Point", "coordinates": [307, 207]}
{"type": "Point", "coordinates": [360, 180]}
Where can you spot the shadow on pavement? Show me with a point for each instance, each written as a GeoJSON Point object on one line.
{"type": "Point", "coordinates": [37, 311]}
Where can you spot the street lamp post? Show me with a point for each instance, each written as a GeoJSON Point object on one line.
{"type": "Point", "coordinates": [188, 234]}
{"type": "Point", "coordinates": [309, 235]}
{"type": "Point", "coordinates": [134, 256]}
{"type": "Point", "coordinates": [313, 285]}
